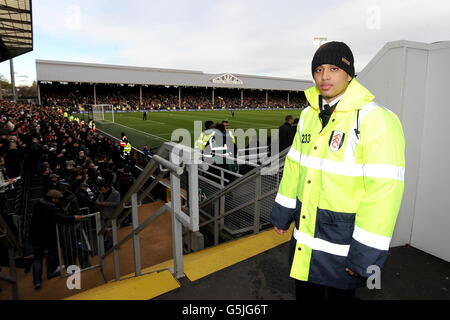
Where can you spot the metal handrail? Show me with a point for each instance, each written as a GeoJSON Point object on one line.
{"type": "Point", "coordinates": [243, 205]}
{"type": "Point", "coordinates": [144, 194]}
{"type": "Point", "coordinates": [141, 226]}
{"type": "Point", "coordinates": [135, 231]}
{"type": "Point", "coordinates": [11, 238]}
{"type": "Point", "coordinates": [13, 247]}
{"type": "Point", "coordinates": [218, 199]}
{"type": "Point", "coordinates": [176, 167]}
{"type": "Point", "coordinates": [149, 169]}
{"type": "Point", "coordinates": [245, 178]}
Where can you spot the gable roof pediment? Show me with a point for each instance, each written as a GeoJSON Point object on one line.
{"type": "Point", "coordinates": [227, 78]}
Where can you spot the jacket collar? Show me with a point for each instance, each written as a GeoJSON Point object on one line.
{"type": "Point", "coordinates": [354, 98]}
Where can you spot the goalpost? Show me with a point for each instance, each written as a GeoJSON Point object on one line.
{"type": "Point", "coordinates": [103, 112]}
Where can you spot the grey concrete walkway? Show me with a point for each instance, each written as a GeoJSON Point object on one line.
{"type": "Point", "coordinates": [408, 274]}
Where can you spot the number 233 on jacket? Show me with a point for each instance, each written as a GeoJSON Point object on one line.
{"type": "Point", "coordinates": [342, 185]}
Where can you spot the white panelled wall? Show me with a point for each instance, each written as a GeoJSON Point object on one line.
{"type": "Point", "coordinates": [412, 80]}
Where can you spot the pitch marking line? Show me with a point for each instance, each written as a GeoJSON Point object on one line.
{"type": "Point", "coordinates": [148, 134]}
{"type": "Point", "coordinates": [233, 120]}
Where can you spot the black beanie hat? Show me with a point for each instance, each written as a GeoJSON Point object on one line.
{"type": "Point", "coordinates": [335, 53]}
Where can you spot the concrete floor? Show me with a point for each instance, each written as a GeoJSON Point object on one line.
{"type": "Point", "coordinates": [408, 274]}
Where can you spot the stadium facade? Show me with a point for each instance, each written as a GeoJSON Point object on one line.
{"type": "Point", "coordinates": [88, 73]}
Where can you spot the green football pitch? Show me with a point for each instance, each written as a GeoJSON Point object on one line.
{"type": "Point", "coordinates": [159, 126]}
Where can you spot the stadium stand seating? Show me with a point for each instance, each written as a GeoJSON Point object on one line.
{"type": "Point", "coordinates": [72, 95]}
{"type": "Point", "coordinates": [46, 150]}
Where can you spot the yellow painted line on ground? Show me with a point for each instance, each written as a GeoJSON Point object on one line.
{"type": "Point", "coordinates": [139, 288]}
{"type": "Point", "coordinates": [196, 266]}
{"type": "Point", "coordinates": [202, 263]}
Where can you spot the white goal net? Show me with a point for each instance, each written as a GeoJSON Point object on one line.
{"type": "Point", "coordinates": [103, 112]}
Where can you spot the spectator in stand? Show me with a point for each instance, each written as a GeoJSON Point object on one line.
{"type": "Point", "coordinates": [85, 199]}
{"type": "Point", "coordinates": [294, 126]}
{"type": "Point", "coordinates": [76, 179]}
{"type": "Point", "coordinates": [162, 98]}
{"type": "Point", "coordinates": [4, 144]}
{"type": "Point", "coordinates": [125, 181]}
{"type": "Point", "coordinates": [285, 133]}
{"type": "Point", "coordinates": [69, 202]}
{"type": "Point", "coordinates": [35, 156]}
{"type": "Point", "coordinates": [147, 154]}
{"type": "Point", "coordinates": [12, 161]}
{"type": "Point", "coordinates": [69, 246]}
{"type": "Point", "coordinates": [51, 183]}
{"type": "Point", "coordinates": [43, 234]}
{"type": "Point", "coordinates": [108, 201]}
{"type": "Point", "coordinates": [5, 183]}
{"type": "Point", "coordinates": [81, 158]}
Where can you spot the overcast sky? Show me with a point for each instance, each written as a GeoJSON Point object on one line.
{"type": "Point", "coordinates": [258, 37]}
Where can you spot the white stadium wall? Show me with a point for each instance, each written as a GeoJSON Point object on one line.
{"type": "Point", "coordinates": [411, 79]}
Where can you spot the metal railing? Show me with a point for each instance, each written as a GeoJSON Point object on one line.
{"type": "Point", "coordinates": [9, 241]}
{"type": "Point", "coordinates": [243, 205]}
{"type": "Point", "coordinates": [158, 167]}
{"type": "Point", "coordinates": [10, 229]}
{"type": "Point", "coordinates": [78, 244]}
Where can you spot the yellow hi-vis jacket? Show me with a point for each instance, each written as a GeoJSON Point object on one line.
{"type": "Point", "coordinates": [342, 186]}
{"type": "Point", "coordinates": [203, 139]}
{"type": "Point", "coordinates": [127, 149]}
{"type": "Point", "coordinates": [230, 132]}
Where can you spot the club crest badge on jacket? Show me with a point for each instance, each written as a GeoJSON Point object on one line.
{"type": "Point", "coordinates": [336, 140]}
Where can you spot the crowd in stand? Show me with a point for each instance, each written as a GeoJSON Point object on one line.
{"type": "Point", "coordinates": [162, 98]}
{"type": "Point", "coordinates": [78, 167]}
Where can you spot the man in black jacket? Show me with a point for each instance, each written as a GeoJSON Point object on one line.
{"type": "Point", "coordinates": [35, 156]}
{"type": "Point", "coordinates": [285, 133]}
{"type": "Point", "coordinates": [70, 247]}
{"type": "Point", "coordinates": [108, 200]}
{"type": "Point", "coordinates": [46, 215]}
{"type": "Point", "coordinates": [84, 200]}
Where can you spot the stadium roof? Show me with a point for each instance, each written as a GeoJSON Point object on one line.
{"type": "Point", "coordinates": [16, 28]}
{"type": "Point", "coordinates": [47, 70]}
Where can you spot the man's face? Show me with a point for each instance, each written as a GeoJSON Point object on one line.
{"type": "Point", "coordinates": [331, 81]}
{"type": "Point", "coordinates": [56, 200]}
{"type": "Point", "coordinates": [226, 125]}
{"type": "Point", "coordinates": [104, 190]}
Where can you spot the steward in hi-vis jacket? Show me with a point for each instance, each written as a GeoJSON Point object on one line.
{"type": "Point", "coordinates": [204, 137]}
{"type": "Point", "coordinates": [343, 179]}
